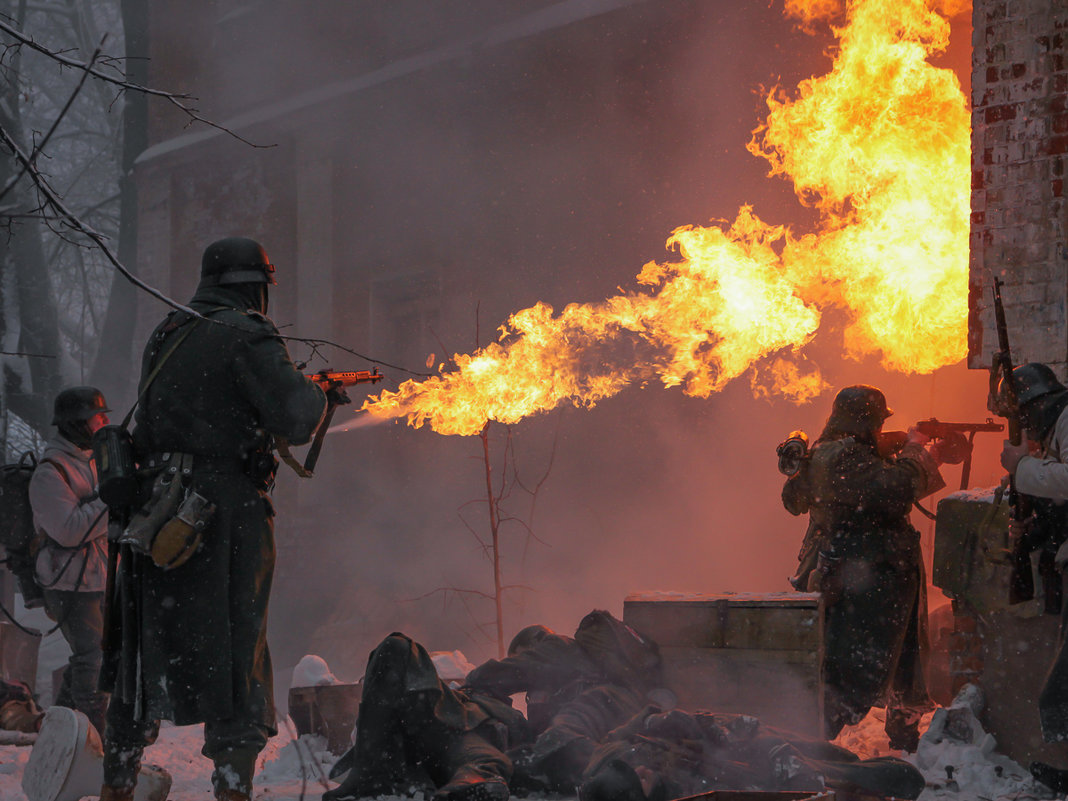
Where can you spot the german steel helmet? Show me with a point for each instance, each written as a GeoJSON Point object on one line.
{"type": "Point", "coordinates": [76, 404]}
{"type": "Point", "coordinates": [235, 260]}
{"type": "Point", "coordinates": [1033, 380]}
{"type": "Point", "coordinates": [859, 408]}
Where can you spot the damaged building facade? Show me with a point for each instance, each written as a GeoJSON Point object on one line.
{"type": "Point", "coordinates": [1018, 235]}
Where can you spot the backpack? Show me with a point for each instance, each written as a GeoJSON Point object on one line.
{"type": "Point", "coordinates": [18, 535]}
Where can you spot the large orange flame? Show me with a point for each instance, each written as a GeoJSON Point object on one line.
{"type": "Point", "coordinates": [880, 146]}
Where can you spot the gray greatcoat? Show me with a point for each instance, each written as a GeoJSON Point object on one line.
{"type": "Point", "coordinates": [189, 644]}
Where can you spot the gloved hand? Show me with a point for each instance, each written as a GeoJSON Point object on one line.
{"type": "Point", "coordinates": [1018, 529]}
{"type": "Point", "coordinates": [815, 579]}
{"type": "Point", "coordinates": [951, 449]}
{"type": "Point", "coordinates": [822, 580]}
{"type": "Point", "coordinates": [337, 396]}
{"type": "Point", "coordinates": [1012, 454]}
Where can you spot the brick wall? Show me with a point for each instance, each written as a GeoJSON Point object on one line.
{"type": "Point", "coordinates": [1019, 146]}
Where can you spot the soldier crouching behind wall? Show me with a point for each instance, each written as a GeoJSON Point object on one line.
{"type": "Point", "coordinates": [189, 636]}
{"type": "Point", "coordinates": [862, 553]}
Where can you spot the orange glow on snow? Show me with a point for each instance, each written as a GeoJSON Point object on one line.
{"type": "Point", "coordinates": [880, 146]}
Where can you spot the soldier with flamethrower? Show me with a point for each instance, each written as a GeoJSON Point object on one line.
{"type": "Point", "coordinates": [187, 633]}
{"type": "Point", "coordinates": [867, 562]}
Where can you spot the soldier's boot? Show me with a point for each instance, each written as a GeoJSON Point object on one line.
{"type": "Point", "coordinates": [1055, 779]}
{"type": "Point", "coordinates": [110, 792]}
{"type": "Point", "coordinates": [903, 729]}
{"type": "Point", "coordinates": [471, 784]}
{"type": "Point", "coordinates": [232, 777]}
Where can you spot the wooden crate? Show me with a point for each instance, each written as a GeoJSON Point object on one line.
{"type": "Point", "coordinates": [329, 710]}
{"type": "Point", "coordinates": [18, 654]}
{"type": "Point", "coordinates": [759, 654]}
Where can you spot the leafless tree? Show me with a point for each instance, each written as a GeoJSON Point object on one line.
{"type": "Point", "coordinates": [54, 289]}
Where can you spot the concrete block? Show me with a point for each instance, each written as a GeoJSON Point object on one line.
{"type": "Point", "coordinates": [751, 653]}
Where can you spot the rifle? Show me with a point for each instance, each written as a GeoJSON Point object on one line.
{"type": "Point", "coordinates": [328, 380]}
{"type": "Point", "coordinates": [1022, 583]}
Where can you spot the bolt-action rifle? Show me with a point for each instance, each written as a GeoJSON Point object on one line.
{"type": "Point", "coordinates": [333, 383]}
{"type": "Point", "coordinates": [1005, 404]}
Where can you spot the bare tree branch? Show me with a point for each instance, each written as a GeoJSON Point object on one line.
{"type": "Point", "coordinates": [174, 98]}
{"type": "Point", "coordinates": [39, 146]}
{"type": "Point", "coordinates": [26, 355]}
{"type": "Point", "coordinates": [65, 215]}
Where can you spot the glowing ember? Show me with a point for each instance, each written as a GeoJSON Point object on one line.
{"type": "Point", "coordinates": [880, 146]}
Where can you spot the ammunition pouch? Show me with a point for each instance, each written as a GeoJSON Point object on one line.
{"type": "Point", "coordinates": [261, 469]}
{"type": "Point", "coordinates": [168, 528]}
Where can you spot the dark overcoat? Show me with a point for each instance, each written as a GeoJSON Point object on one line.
{"type": "Point", "coordinates": [875, 628]}
{"type": "Point", "coordinates": [189, 644]}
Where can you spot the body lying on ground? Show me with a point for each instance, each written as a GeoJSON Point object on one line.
{"type": "Point", "coordinates": [589, 720]}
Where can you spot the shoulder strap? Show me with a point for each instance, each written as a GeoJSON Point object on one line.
{"type": "Point", "coordinates": [189, 326]}
{"type": "Point", "coordinates": [59, 468]}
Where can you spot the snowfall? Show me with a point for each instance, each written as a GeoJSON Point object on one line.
{"type": "Point", "coordinates": [958, 759]}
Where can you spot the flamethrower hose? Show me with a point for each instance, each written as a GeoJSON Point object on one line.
{"type": "Point", "coordinates": [321, 777]}
{"type": "Point", "coordinates": [31, 632]}
{"type": "Point", "coordinates": [925, 512]}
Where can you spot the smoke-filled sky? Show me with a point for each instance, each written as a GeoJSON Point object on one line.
{"type": "Point", "coordinates": [551, 169]}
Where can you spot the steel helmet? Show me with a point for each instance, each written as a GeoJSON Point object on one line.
{"type": "Point", "coordinates": [77, 404]}
{"type": "Point", "coordinates": [858, 409]}
{"type": "Point", "coordinates": [235, 260]}
{"type": "Point", "coordinates": [1032, 381]}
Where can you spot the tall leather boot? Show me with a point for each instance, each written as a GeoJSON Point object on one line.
{"type": "Point", "coordinates": [232, 777]}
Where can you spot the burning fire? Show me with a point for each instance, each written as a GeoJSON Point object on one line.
{"type": "Point", "coordinates": [880, 146]}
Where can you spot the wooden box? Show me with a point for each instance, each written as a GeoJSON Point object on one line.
{"type": "Point", "coordinates": [329, 710]}
{"type": "Point", "coordinates": [759, 654]}
{"type": "Point", "coordinates": [970, 547]}
{"type": "Point", "coordinates": [18, 654]}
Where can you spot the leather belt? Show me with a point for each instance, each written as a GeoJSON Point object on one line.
{"type": "Point", "coordinates": [201, 463]}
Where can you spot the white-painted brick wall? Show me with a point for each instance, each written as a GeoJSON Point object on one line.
{"type": "Point", "coordinates": [1019, 150]}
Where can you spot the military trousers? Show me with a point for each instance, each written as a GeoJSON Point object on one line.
{"type": "Point", "coordinates": [1053, 701]}
{"type": "Point", "coordinates": [80, 616]}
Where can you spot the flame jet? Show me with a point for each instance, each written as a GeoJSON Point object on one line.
{"type": "Point", "coordinates": [880, 146]}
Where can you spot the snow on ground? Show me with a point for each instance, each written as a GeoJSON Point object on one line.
{"type": "Point", "coordinates": [976, 772]}
{"type": "Point", "coordinates": [291, 770]}
{"type": "Point", "coordinates": [287, 769]}
{"type": "Point", "coordinates": [958, 759]}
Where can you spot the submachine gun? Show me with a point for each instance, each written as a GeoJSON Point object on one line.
{"type": "Point", "coordinates": [793, 451]}
{"type": "Point", "coordinates": [937, 429]}
{"type": "Point", "coordinates": [1002, 401]}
